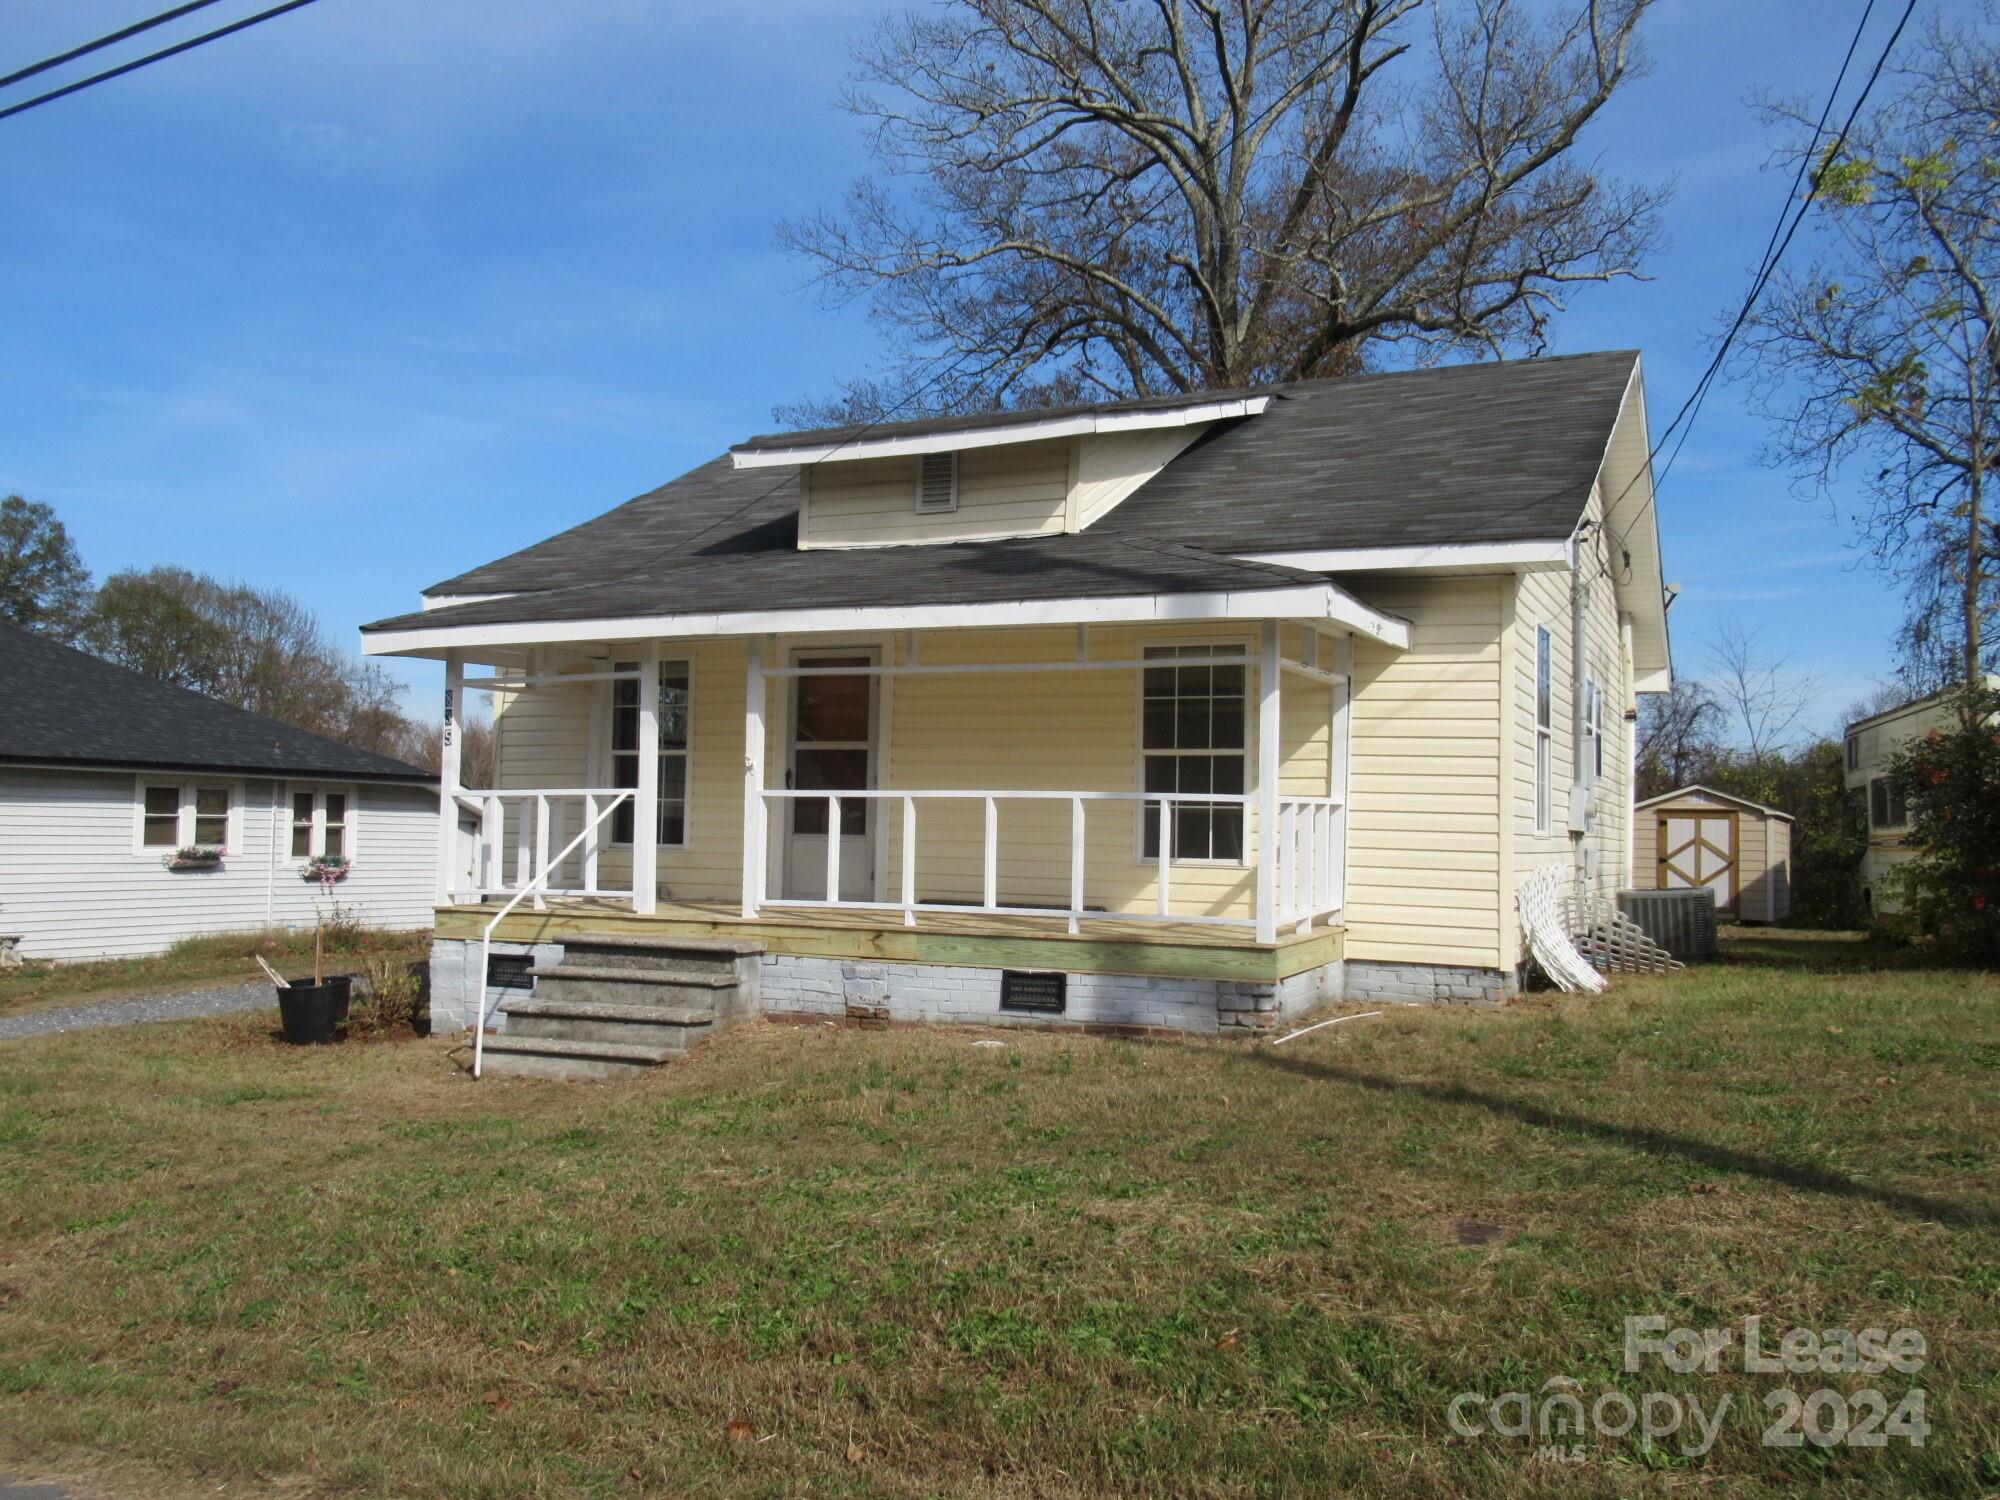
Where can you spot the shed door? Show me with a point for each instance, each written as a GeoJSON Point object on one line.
{"type": "Point", "coordinates": [1699, 849]}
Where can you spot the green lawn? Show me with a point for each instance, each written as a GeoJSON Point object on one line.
{"type": "Point", "coordinates": [192, 964]}
{"type": "Point", "coordinates": [904, 1264]}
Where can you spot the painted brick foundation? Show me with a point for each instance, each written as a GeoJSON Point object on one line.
{"type": "Point", "coordinates": [1428, 984]}
{"type": "Point", "coordinates": [880, 993]}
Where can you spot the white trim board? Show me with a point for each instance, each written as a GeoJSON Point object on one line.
{"type": "Point", "coordinates": [1522, 557]}
{"type": "Point", "coordinates": [446, 601]}
{"type": "Point", "coordinates": [1085, 424]}
{"type": "Point", "coordinates": [1311, 602]}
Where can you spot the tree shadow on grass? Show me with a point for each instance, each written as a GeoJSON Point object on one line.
{"type": "Point", "coordinates": [1640, 1138]}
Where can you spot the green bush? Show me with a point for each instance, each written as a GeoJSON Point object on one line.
{"type": "Point", "coordinates": [1950, 781]}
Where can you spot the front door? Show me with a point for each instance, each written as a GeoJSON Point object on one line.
{"type": "Point", "coordinates": [1699, 849]}
{"type": "Point", "coordinates": [832, 750]}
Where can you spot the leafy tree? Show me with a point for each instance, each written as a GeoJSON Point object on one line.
{"type": "Point", "coordinates": [1886, 351]}
{"type": "Point", "coordinates": [1950, 781]}
{"type": "Point", "coordinates": [1109, 199]}
{"type": "Point", "coordinates": [43, 583]}
{"type": "Point", "coordinates": [258, 649]}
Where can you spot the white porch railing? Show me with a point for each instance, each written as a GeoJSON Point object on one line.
{"type": "Point", "coordinates": [540, 820]}
{"type": "Point", "coordinates": [535, 886]}
{"type": "Point", "coordinates": [990, 903]}
{"type": "Point", "coordinates": [1310, 840]}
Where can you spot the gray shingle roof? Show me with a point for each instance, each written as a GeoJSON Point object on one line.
{"type": "Point", "coordinates": [68, 707]}
{"type": "Point", "coordinates": [1044, 567]}
{"type": "Point", "coordinates": [1502, 451]}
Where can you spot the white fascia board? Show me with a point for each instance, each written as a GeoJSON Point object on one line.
{"type": "Point", "coordinates": [1660, 680]}
{"type": "Point", "coordinates": [446, 601]}
{"type": "Point", "coordinates": [1305, 602]}
{"type": "Point", "coordinates": [1085, 425]}
{"type": "Point", "coordinates": [1523, 557]}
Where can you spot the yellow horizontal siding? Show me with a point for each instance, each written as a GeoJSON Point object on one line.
{"type": "Point", "coordinates": [1019, 489]}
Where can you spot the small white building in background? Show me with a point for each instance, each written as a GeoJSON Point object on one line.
{"type": "Point", "coordinates": [107, 777]}
{"type": "Point", "coordinates": [1871, 744]}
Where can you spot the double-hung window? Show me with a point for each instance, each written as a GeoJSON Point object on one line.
{"type": "Point", "coordinates": [322, 825]}
{"type": "Point", "coordinates": [1591, 758]}
{"type": "Point", "coordinates": [1192, 732]}
{"type": "Point", "coordinates": [1544, 724]}
{"type": "Point", "coordinates": [173, 814]}
{"type": "Point", "coordinates": [1887, 807]}
{"type": "Point", "coordinates": [676, 741]}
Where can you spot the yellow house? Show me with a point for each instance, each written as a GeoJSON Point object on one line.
{"type": "Point", "coordinates": [1183, 712]}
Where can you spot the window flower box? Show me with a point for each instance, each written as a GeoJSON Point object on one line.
{"type": "Point", "coordinates": [195, 857]}
{"type": "Point", "coordinates": [326, 869]}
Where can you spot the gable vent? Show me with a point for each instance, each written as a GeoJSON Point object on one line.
{"type": "Point", "coordinates": [937, 483]}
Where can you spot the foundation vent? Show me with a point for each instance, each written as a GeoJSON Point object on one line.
{"type": "Point", "coordinates": [1040, 994]}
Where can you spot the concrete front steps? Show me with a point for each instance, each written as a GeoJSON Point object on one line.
{"type": "Point", "coordinates": [615, 1006]}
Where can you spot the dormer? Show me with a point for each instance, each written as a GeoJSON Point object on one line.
{"type": "Point", "coordinates": [983, 478]}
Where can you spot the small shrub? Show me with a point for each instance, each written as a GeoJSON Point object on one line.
{"type": "Point", "coordinates": [393, 993]}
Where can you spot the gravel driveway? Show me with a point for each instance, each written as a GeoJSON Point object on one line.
{"type": "Point", "coordinates": [130, 1012]}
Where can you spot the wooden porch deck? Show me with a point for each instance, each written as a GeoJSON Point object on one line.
{"type": "Point", "coordinates": [1106, 945]}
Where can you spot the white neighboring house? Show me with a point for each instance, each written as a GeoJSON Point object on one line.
{"type": "Point", "coordinates": [107, 776]}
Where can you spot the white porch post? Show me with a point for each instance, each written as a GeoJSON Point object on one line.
{"type": "Point", "coordinates": [449, 748]}
{"type": "Point", "coordinates": [646, 799]}
{"type": "Point", "coordinates": [1268, 678]}
{"type": "Point", "coordinates": [1341, 757]}
{"type": "Point", "coordinates": [753, 779]}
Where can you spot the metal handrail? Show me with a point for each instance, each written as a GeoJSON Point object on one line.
{"type": "Point", "coordinates": [527, 890]}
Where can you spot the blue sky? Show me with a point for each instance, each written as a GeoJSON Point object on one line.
{"type": "Point", "coordinates": [377, 291]}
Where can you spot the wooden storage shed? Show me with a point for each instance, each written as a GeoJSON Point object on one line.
{"type": "Point", "coordinates": [1697, 836]}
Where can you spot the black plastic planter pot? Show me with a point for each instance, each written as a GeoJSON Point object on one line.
{"type": "Point", "coordinates": [311, 1013]}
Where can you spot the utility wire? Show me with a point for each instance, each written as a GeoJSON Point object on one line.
{"type": "Point", "coordinates": [1684, 419]}
{"type": "Point", "coordinates": [104, 41]}
{"type": "Point", "coordinates": [152, 57]}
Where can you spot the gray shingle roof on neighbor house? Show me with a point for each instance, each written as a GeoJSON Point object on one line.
{"type": "Point", "coordinates": [61, 706]}
{"type": "Point", "coordinates": [1494, 452]}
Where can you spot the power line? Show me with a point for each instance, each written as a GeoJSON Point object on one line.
{"type": "Point", "coordinates": [1774, 252]}
{"type": "Point", "coordinates": [152, 57]}
{"type": "Point", "coordinates": [104, 41]}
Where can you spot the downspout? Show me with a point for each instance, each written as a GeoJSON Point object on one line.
{"type": "Point", "coordinates": [271, 862]}
{"type": "Point", "coordinates": [1578, 825]}
{"type": "Point", "coordinates": [1630, 718]}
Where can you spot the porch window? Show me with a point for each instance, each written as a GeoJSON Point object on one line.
{"type": "Point", "coordinates": [1192, 740]}
{"type": "Point", "coordinates": [162, 818]}
{"type": "Point", "coordinates": [1544, 724]}
{"type": "Point", "coordinates": [322, 825]}
{"type": "Point", "coordinates": [676, 736]}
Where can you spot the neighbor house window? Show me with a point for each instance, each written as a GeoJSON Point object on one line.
{"type": "Point", "coordinates": [162, 818]}
{"type": "Point", "coordinates": [676, 715]}
{"type": "Point", "coordinates": [937, 483]}
{"type": "Point", "coordinates": [1886, 807]}
{"type": "Point", "coordinates": [1544, 724]}
{"type": "Point", "coordinates": [1192, 741]}
{"type": "Point", "coordinates": [173, 814]}
{"type": "Point", "coordinates": [322, 825]}
{"type": "Point", "coordinates": [1854, 753]}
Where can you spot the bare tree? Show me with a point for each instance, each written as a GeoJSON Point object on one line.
{"type": "Point", "coordinates": [1887, 350]}
{"type": "Point", "coordinates": [1766, 701]}
{"type": "Point", "coordinates": [1679, 734]}
{"type": "Point", "coordinates": [1124, 198]}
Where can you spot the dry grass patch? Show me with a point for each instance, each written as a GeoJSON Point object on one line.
{"type": "Point", "coordinates": [913, 1266]}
